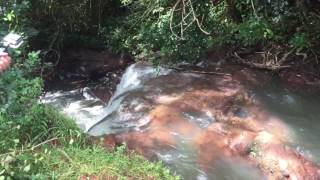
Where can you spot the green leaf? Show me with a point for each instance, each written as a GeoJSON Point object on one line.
{"type": "Point", "coordinates": [71, 141]}
{"type": "Point", "coordinates": [27, 168]}
{"type": "Point", "coordinates": [16, 141]}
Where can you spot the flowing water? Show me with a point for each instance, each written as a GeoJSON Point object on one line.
{"type": "Point", "coordinates": [204, 126]}
{"type": "Point", "coordinates": [301, 113]}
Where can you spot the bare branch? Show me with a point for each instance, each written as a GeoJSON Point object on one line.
{"type": "Point", "coordinates": [171, 18]}
{"type": "Point", "coordinates": [257, 65]}
{"type": "Point", "coordinates": [197, 20]}
{"type": "Point", "coordinates": [187, 10]}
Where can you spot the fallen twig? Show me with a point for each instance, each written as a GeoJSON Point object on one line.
{"type": "Point", "coordinates": [285, 56]}
{"type": "Point", "coordinates": [199, 72]}
{"type": "Point", "coordinates": [33, 147]}
{"type": "Point", "coordinates": [257, 65]}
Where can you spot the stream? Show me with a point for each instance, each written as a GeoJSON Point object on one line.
{"type": "Point", "coordinates": [226, 126]}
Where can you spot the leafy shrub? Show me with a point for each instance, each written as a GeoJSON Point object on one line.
{"type": "Point", "coordinates": [300, 41]}
{"type": "Point", "coordinates": [253, 32]}
{"type": "Point", "coordinates": [25, 123]}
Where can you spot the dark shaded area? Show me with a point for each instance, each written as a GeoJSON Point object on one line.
{"type": "Point", "coordinates": [101, 71]}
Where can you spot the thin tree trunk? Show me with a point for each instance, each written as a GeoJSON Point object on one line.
{"type": "Point", "coordinates": [232, 11]}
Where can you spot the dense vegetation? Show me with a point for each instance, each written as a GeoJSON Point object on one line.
{"type": "Point", "coordinates": [170, 31]}
{"type": "Point", "coordinates": [161, 31]}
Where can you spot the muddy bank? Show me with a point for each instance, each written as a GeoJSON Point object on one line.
{"type": "Point", "coordinates": [297, 71]}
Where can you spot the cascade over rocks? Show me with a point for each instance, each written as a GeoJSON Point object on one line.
{"type": "Point", "coordinates": [162, 113]}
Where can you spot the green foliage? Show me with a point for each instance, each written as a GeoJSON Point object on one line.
{"type": "Point", "coordinates": [300, 41]}
{"type": "Point", "coordinates": [25, 162]}
{"type": "Point", "coordinates": [253, 32]}
{"type": "Point", "coordinates": [155, 31]}
{"type": "Point", "coordinates": [24, 122]}
{"type": "Point", "coordinates": [145, 32]}
{"type": "Point", "coordinates": [166, 31]}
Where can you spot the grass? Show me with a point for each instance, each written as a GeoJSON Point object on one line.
{"type": "Point", "coordinates": [96, 162]}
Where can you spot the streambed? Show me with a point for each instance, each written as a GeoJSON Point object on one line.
{"type": "Point", "coordinates": [204, 126]}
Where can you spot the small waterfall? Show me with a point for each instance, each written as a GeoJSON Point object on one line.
{"type": "Point", "coordinates": [202, 126]}
{"type": "Point", "coordinates": [88, 110]}
{"type": "Point", "coordinates": [135, 76]}
{"type": "Point", "coordinates": [133, 79]}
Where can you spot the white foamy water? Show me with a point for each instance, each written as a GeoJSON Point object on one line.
{"type": "Point", "coordinates": [87, 110]}
{"type": "Point", "coordinates": [84, 108]}
{"type": "Point", "coordinates": [132, 80]}
{"type": "Point", "coordinates": [135, 75]}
